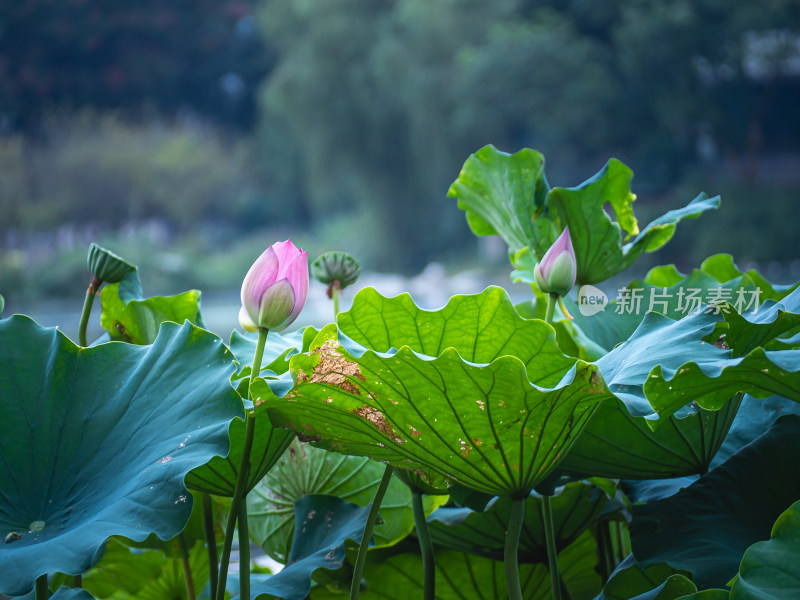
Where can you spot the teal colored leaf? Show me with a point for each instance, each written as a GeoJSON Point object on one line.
{"type": "Point", "coordinates": [660, 345]}
{"type": "Point", "coordinates": [631, 580]}
{"type": "Point", "coordinates": [137, 320]}
{"type": "Point", "coordinates": [97, 441]}
{"type": "Point", "coordinates": [575, 508]}
{"type": "Point", "coordinates": [706, 528]}
{"type": "Point", "coordinates": [745, 332]}
{"type": "Point", "coordinates": [480, 327]}
{"type": "Point", "coordinates": [501, 193]}
{"type": "Point", "coordinates": [676, 586]}
{"type": "Point", "coordinates": [304, 470]}
{"type": "Point", "coordinates": [769, 569]}
{"type": "Point", "coordinates": [752, 419]}
{"type": "Point", "coordinates": [707, 595]}
{"type": "Point", "coordinates": [218, 477]}
{"type": "Point", "coordinates": [761, 374]}
{"type": "Point", "coordinates": [194, 531]}
{"type": "Point", "coordinates": [666, 291]}
{"type": "Point", "coordinates": [618, 444]}
{"type": "Point", "coordinates": [322, 525]}
{"type": "Point", "coordinates": [71, 594]}
{"type": "Point", "coordinates": [130, 288]}
{"type": "Point", "coordinates": [484, 426]}
{"type": "Point", "coordinates": [667, 367]}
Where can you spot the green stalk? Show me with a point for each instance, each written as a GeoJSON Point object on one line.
{"type": "Point", "coordinates": [42, 593]}
{"type": "Point", "coordinates": [552, 299]}
{"type": "Point", "coordinates": [91, 292]}
{"type": "Point", "coordinates": [547, 510]}
{"type": "Point", "coordinates": [211, 541]}
{"type": "Point", "coordinates": [510, 552]}
{"type": "Point", "coordinates": [552, 554]}
{"type": "Point", "coordinates": [244, 552]}
{"type": "Point", "coordinates": [355, 586]}
{"type": "Point", "coordinates": [187, 568]}
{"type": "Point", "coordinates": [77, 581]}
{"type": "Point", "coordinates": [336, 287]}
{"type": "Point", "coordinates": [425, 545]}
{"type": "Point", "coordinates": [244, 468]}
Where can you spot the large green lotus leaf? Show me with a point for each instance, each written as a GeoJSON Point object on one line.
{"type": "Point", "coordinates": [218, 477]}
{"type": "Point", "coordinates": [575, 508]}
{"type": "Point", "coordinates": [304, 470]}
{"type": "Point", "coordinates": [484, 426]}
{"type": "Point", "coordinates": [481, 327]}
{"type": "Point", "coordinates": [137, 320]}
{"type": "Point", "coordinates": [125, 574]}
{"type": "Point", "coordinates": [769, 569]}
{"type": "Point", "coordinates": [706, 528]}
{"type": "Point", "coordinates": [620, 445]}
{"type": "Point", "coordinates": [462, 576]}
{"type": "Point", "coordinates": [501, 193]}
{"type": "Point", "coordinates": [97, 441]}
{"type": "Point", "coordinates": [322, 526]}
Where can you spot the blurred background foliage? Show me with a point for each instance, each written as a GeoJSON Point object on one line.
{"type": "Point", "coordinates": [188, 135]}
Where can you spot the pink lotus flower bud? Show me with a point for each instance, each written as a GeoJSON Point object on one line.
{"type": "Point", "coordinates": [556, 272]}
{"type": "Point", "coordinates": [275, 288]}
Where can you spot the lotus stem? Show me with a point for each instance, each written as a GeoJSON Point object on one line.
{"type": "Point", "coordinates": [187, 568]}
{"type": "Point", "coordinates": [361, 559]}
{"type": "Point", "coordinates": [552, 553]}
{"type": "Point", "coordinates": [244, 468]}
{"type": "Point", "coordinates": [244, 552]}
{"type": "Point", "coordinates": [336, 288]}
{"type": "Point", "coordinates": [91, 292]}
{"type": "Point", "coordinates": [511, 550]}
{"type": "Point", "coordinates": [211, 541]}
{"type": "Point", "coordinates": [547, 510]}
{"type": "Point", "coordinates": [42, 593]}
{"type": "Point", "coordinates": [552, 300]}
{"type": "Point", "coordinates": [425, 545]}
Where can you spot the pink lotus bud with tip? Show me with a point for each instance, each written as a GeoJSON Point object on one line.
{"type": "Point", "coordinates": [275, 288]}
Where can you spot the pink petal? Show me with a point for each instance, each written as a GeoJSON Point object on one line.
{"type": "Point", "coordinates": [277, 305]}
{"type": "Point", "coordinates": [261, 275]}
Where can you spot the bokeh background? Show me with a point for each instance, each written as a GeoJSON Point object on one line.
{"type": "Point", "coordinates": [187, 135]}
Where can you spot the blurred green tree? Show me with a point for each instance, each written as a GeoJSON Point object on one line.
{"type": "Point", "coordinates": [204, 55]}
{"type": "Point", "coordinates": [380, 101]}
